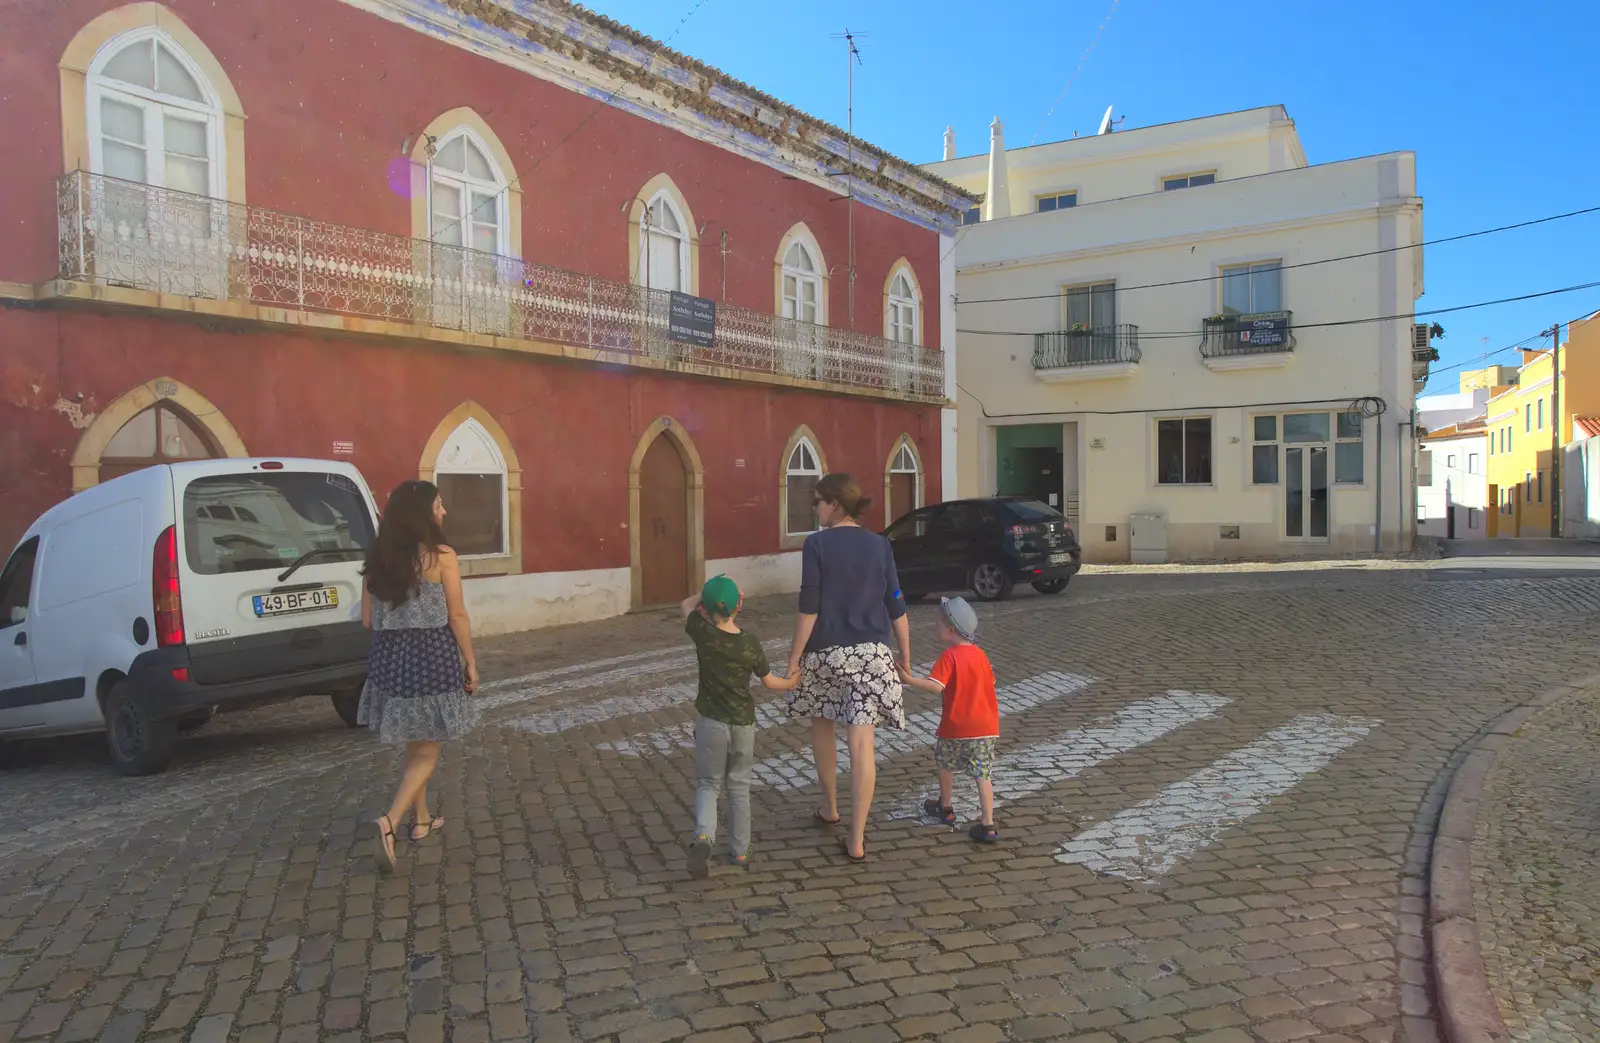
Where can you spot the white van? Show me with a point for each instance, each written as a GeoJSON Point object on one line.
{"type": "Point", "coordinates": [145, 604]}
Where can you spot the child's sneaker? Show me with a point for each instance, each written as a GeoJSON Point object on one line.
{"type": "Point", "coordinates": [700, 857]}
{"type": "Point", "coordinates": [983, 834]}
{"type": "Point", "coordinates": [742, 861]}
{"type": "Point", "coordinates": [932, 809]}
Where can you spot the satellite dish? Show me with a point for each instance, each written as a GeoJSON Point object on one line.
{"type": "Point", "coordinates": [1105, 122]}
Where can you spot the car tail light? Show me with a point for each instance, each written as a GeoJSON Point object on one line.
{"type": "Point", "coordinates": [166, 595]}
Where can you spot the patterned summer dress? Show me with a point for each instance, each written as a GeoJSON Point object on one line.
{"type": "Point", "coordinates": [415, 673]}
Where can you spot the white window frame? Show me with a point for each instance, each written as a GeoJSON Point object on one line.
{"type": "Point", "coordinates": [470, 428]}
{"type": "Point", "coordinates": [790, 472]}
{"type": "Point", "coordinates": [467, 184]}
{"type": "Point", "coordinates": [1249, 267]}
{"type": "Point", "coordinates": [154, 105]}
{"type": "Point", "coordinates": [1155, 446]}
{"type": "Point", "coordinates": [801, 275]}
{"type": "Point", "coordinates": [1186, 178]}
{"type": "Point", "coordinates": [647, 228]}
{"type": "Point", "coordinates": [903, 310]}
{"type": "Point", "coordinates": [1057, 197]}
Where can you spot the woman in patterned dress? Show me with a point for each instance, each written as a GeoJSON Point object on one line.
{"type": "Point", "coordinates": [421, 669]}
{"type": "Point", "coordinates": [850, 611]}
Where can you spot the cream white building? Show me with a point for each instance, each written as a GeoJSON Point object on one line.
{"type": "Point", "coordinates": [1144, 334]}
{"type": "Point", "coordinates": [1453, 482]}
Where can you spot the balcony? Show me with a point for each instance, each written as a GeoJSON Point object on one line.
{"type": "Point", "coordinates": [122, 234]}
{"type": "Point", "coordinates": [1263, 340]}
{"type": "Point", "coordinates": [1086, 353]}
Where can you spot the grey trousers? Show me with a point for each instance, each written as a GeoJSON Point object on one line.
{"type": "Point", "coordinates": [723, 751]}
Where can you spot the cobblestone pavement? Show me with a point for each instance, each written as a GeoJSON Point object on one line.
{"type": "Point", "coordinates": [1215, 817]}
{"type": "Point", "coordinates": [1536, 874]}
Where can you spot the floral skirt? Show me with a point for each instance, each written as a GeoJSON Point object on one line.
{"type": "Point", "coordinates": [414, 689]}
{"type": "Point", "coordinates": [851, 684]}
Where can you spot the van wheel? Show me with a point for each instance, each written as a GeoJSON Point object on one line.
{"type": "Point", "coordinates": [347, 705]}
{"type": "Point", "coordinates": [1051, 586]}
{"type": "Point", "coordinates": [140, 743]}
{"type": "Point", "coordinates": [991, 582]}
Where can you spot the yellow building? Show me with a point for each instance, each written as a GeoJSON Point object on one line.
{"type": "Point", "coordinates": [1488, 377]}
{"type": "Point", "coordinates": [1521, 425]}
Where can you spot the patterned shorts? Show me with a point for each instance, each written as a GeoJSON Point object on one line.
{"type": "Point", "coordinates": [971, 757]}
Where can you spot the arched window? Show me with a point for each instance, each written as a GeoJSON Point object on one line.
{"type": "Point", "coordinates": [467, 195]}
{"type": "Point", "coordinates": [802, 473]}
{"type": "Point", "coordinates": [903, 487]}
{"type": "Point", "coordinates": [161, 434]}
{"type": "Point", "coordinates": [802, 284]}
{"type": "Point", "coordinates": [471, 475]}
{"type": "Point", "coordinates": [666, 246]}
{"type": "Point", "coordinates": [903, 310]}
{"type": "Point", "coordinates": [153, 118]}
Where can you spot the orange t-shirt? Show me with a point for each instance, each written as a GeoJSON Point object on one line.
{"type": "Point", "coordinates": [971, 709]}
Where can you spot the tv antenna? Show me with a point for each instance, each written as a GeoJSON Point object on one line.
{"type": "Point", "coordinates": [852, 58]}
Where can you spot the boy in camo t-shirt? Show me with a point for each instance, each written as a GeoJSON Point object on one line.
{"type": "Point", "coordinates": [725, 731]}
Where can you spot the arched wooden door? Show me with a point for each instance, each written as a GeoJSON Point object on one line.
{"type": "Point", "coordinates": [664, 525]}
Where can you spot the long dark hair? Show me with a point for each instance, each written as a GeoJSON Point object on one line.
{"type": "Point", "coordinates": [405, 531]}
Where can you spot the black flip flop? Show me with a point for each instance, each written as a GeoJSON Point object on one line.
{"type": "Point", "coordinates": [844, 845]}
{"type": "Point", "coordinates": [816, 815]}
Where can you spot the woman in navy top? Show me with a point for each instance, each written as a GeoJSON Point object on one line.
{"type": "Point", "coordinates": [850, 613]}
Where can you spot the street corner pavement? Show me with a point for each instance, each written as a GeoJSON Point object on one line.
{"type": "Point", "coordinates": [1217, 796]}
{"type": "Point", "coordinates": [1536, 873]}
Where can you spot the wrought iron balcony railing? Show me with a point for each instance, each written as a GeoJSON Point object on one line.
{"type": "Point", "coordinates": [1087, 346]}
{"type": "Point", "coordinates": [1262, 333]}
{"type": "Point", "coordinates": [120, 233]}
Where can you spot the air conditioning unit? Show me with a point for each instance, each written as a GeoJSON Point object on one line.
{"type": "Point", "coordinates": [1419, 337]}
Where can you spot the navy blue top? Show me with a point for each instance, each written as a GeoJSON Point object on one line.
{"type": "Point", "coordinates": [848, 581]}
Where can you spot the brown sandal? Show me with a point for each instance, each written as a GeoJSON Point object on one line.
{"type": "Point", "coordinates": [385, 848]}
{"type": "Point", "coordinates": [428, 828]}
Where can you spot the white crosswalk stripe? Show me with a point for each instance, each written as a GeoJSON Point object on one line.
{"type": "Point", "coordinates": [792, 770]}
{"type": "Point", "coordinates": [1149, 839]}
{"type": "Point", "coordinates": [1044, 764]}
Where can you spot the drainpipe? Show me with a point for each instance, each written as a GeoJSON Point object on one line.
{"type": "Point", "coordinates": [1401, 470]}
{"type": "Point", "coordinates": [1377, 530]}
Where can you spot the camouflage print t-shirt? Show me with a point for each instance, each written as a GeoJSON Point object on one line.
{"type": "Point", "coordinates": [727, 663]}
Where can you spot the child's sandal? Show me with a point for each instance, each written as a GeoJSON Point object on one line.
{"type": "Point", "coordinates": [983, 834]}
{"type": "Point", "coordinates": [933, 810]}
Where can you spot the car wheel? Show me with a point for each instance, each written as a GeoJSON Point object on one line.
{"type": "Point", "coordinates": [348, 706]}
{"type": "Point", "coordinates": [1051, 586]}
{"type": "Point", "coordinates": [140, 742]}
{"type": "Point", "coordinates": [991, 582]}
{"type": "Point", "coordinates": [194, 721]}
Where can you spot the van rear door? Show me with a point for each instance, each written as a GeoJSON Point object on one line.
{"type": "Point", "coordinates": [270, 556]}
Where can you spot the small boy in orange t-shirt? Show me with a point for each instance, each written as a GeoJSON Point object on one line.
{"type": "Point", "coordinates": [970, 723]}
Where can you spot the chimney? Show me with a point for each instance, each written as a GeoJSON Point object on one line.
{"type": "Point", "coordinates": [997, 201]}
{"type": "Point", "coordinates": [949, 144]}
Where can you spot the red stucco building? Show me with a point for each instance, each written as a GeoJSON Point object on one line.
{"type": "Point", "coordinates": [478, 244]}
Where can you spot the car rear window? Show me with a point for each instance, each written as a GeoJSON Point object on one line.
{"type": "Point", "coordinates": [251, 522]}
{"type": "Point", "coordinates": [1032, 511]}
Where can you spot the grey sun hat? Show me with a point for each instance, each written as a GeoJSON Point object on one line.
{"type": "Point", "coordinates": [963, 619]}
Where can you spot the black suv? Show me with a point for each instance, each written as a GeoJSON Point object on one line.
{"type": "Point", "coordinates": [987, 546]}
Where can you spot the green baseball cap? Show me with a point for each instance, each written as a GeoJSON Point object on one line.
{"type": "Point", "coordinates": [720, 595]}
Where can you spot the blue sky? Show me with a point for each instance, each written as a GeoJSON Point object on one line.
{"type": "Point", "coordinates": [1501, 103]}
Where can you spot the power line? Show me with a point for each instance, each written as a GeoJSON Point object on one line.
{"type": "Point", "coordinates": [1307, 264]}
{"type": "Point", "coordinates": [1486, 356]}
{"type": "Point", "coordinates": [1407, 316]}
{"type": "Point", "coordinates": [604, 102]}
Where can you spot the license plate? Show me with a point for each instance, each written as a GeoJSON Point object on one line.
{"type": "Point", "coordinates": [1060, 559]}
{"type": "Point", "coordinates": [296, 601]}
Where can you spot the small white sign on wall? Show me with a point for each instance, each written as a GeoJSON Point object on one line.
{"type": "Point", "coordinates": [344, 449]}
{"type": "Point", "coordinates": [1098, 443]}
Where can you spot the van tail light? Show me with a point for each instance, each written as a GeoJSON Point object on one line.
{"type": "Point", "coordinates": [166, 595]}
